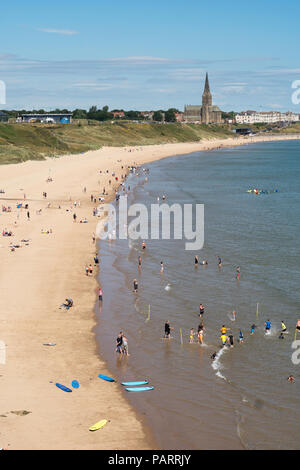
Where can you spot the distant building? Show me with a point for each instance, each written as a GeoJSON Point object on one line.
{"type": "Point", "coordinates": [179, 117]}
{"type": "Point", "coordinates": [147, 114]}
{"type": "Point", "coordinates": [253, 117]}
{"type": "Point", "coordinates": [205, 114]}
{"type": "Point", "coordinates": [62, 118]}
{"type": "Point", "coordinates": [3, 117]}
{"type": "Point", "coordinates": [119, 114]}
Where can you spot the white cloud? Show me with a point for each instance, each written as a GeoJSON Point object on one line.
{"type": "Point", "coordinates": [65, 32]}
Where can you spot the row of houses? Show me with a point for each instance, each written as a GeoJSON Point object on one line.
{"type": "Point", "coordinates": [254, 117]}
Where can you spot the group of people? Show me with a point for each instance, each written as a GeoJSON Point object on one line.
{"type": "Point", "coordinates": [122, 344]}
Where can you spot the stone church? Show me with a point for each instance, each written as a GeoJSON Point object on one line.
{"type": "Point", "coordinates": [205, 114]}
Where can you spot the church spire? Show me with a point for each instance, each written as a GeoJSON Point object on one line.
{"type": "Point", "coordinates": [206, 97]}
{"type": "Point", "coordinates": [206, 88]}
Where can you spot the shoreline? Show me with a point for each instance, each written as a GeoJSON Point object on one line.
{"type": "Point", "coordinates": [30, 299]}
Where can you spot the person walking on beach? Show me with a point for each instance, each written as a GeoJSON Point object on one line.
{"type": "Point", "coordinates": [161, 267]}
{"type": "Point", "coordinates": [238, 271]}
{"type": "Point", "coordinates": [90, 270]}
{"type": "Point", "coordinates": [241, 336]}
{"type": "Point", "coordinates": [87, 270]}
{"type": "Point", "coordinates": [74, 217]}
{"type": "Point", "coordinates": [252, 329]}
{"type": "Point", "coordinates": [100, 294]}
{"type": "Point", "coordinates": [139, 262]}
{"type": "Point", "coordinates": [144, 245]}
{"type": "Point", "coordinates": [196, 261]}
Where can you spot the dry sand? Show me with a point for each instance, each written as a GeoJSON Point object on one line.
{"type": "Point", "coordinates": [37, 277]}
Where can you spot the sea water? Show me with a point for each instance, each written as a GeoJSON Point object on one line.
{"type": "Point", "coordinates": [242, 398]}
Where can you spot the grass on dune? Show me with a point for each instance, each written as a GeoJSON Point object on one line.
{"type": "Point", "coordinates": [34, 141]}
{"type": "Point", "coordinates": [25, 141]}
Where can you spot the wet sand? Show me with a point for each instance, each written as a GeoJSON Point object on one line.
{"type": "Point", "coordinates": [37, 277]}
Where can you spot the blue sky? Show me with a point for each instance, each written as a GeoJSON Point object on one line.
{"type": "Point", "coordinates": [149, 55]}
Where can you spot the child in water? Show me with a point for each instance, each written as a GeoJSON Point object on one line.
{"type": "Point", "coordinates": [192, 335]}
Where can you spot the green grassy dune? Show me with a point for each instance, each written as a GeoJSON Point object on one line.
{"type": "Point", "coordinates": [21, 142]}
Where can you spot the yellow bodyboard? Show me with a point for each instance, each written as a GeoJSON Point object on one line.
{"type": "Point", "coordinates": [98, 425]}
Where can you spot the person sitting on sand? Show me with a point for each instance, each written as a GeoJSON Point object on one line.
{"type": "Point", "coordinates": [68, 304]}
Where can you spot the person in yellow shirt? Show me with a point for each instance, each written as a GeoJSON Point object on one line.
{"type": "Point", "coordinates": [223, 339]}
{"type": "Point", "coordinates": [283, 327]}
{"type": "Point", "coordinates": [223, 330]}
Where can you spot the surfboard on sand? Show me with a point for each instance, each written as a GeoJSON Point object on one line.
{"type": "Point", "coordinates": [138, 389]}
{"type": "Point", "coordinates": [98, 425]}
{"type": "Point", "coordinates": [104, 377]}
{"type": "Point", "coordinates": [62, 387]}
{"type": "Point", "coordinates": [132, 384]}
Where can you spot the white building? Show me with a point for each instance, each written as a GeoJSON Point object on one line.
{"type": "Point", "coordinates": [252, 117]}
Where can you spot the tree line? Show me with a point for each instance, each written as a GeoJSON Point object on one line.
{"type": "Point", "coordinates": [97, 114]}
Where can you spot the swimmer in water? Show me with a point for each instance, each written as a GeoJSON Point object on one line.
{"type": "Point", "coordinates": [241, 336]}
{"type": "Point", "coordinates": [219, 262]}
{"type": "Point", "coordinates": [224, 340]}
{"type": "Point", "coordinates": [196, 261]}
{"type": "Point", "coordinates": [161, 266]}
{"type": "Point", "coordinates": [140, 262]}
{"type": "Point", "coordinates": [167, 330]}
{"type": "Point", "coordinates": [268, 326]}
{"type": "Point", "coordinates": [230, 339]}
{"type": "Point", "coordinates": [223, 330]}
{"type": "Point", "coordinates": [238, 272]}
{"type": "Point", "coordinates": [135, 286]}
{"type": "Point", "coordinates": [144, 245]}
{"type": "Point", "coordinates": [201, 308]}
{"type": "Point", "coordinates": [200, 333]}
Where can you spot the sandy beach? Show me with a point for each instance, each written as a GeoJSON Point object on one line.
{"type": "Point", "coordinates": [38, 276]}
